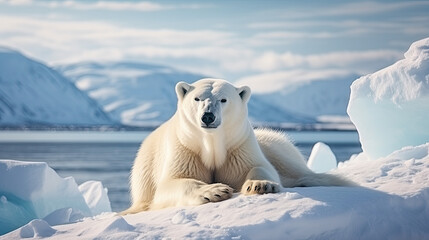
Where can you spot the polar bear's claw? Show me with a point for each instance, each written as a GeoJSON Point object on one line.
{"type": "Point", "coordinates": [215, 192]}
{"type": "Point", "coordinates": [260, 187]}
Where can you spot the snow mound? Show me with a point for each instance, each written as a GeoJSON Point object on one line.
{"type": "Point", "coordinates": [393, 203]}
{"type": "Point", "coordinates": [321, 159]}
{"type": "Point", "coordinates": [390, 107]}
{"type": "Point", "coordinates": [37, 229]}
{"type": "Point", "coordinates": [110, 228]}
{"type": "Point", "coordinates": [33, 190]}
{"type": "Point", "coordinates": [405, 172]}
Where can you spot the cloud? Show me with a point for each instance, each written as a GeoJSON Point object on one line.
{"type": "Point", "coordinates": [72, 41]}
{"type": "Point", "coordinates": [368, 8]}
{"type": "Point", "coordinates": [271, 61]}
{"type": "Point", "coordinates": [290, 30]}
{"type": "Point", "coordinates": [284, 35]}
{"type": "Point", "coordinates": [105, 5]}
{"type": "Point", "coordinates": [61, 42]}
{"type": "Point", "coordinates": [349, 58]}
{"type": "Point", "coordinates": [214, 52]}
{"type": "Point", "coordinates": [89, 35]}
{"type": "Point", "coordinates": [273, 71]}
{"type": "Point", "coordinates": [274, 81]}
{"type": "Point", "coordinates": [17, 2]}
{"type": "Point", "coordinates": [343, 24]}
{"type": "Point", "coordinates": [348, 9]}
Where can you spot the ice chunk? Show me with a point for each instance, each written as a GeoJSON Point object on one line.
{"type": "Point", "coordinates": [390, 108]}
{"type": "Point", "coordinates": [33, 190]}
{"type": "Point", "coordinates": [321, 159]}
{"type": "Point", "coordinates": [95, 196]}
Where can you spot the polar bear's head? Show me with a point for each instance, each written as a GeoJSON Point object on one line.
{"type": "Point", "coordinates": [211, 104]}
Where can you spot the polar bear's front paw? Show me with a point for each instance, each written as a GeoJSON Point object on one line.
{"type": "Point", "coordinates": [259, 187]}
{"type": "Point", "coordinates": [214, 193]}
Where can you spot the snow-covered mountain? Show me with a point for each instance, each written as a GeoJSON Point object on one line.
{"type": "Point", "coordinates": [320, 97]}
{"type": "Point", "coordinates": [140, 94]}
{"type": "Point", "coordinates": [134, 94]}
{"type": "Point", "coordinates": [33, 94]}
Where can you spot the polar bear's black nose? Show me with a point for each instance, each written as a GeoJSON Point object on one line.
{"type": "Point", "coordinates": [208, 118]}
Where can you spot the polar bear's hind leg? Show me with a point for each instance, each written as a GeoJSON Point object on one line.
{"type": "Point", "coordinates": [290, 163]}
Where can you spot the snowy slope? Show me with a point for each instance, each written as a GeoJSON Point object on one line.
{"type": "Point", "coordinates": [32, 93]}
{"type": "Point", "coordinates": [140, 94]}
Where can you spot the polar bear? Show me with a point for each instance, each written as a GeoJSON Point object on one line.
{"type": "Point", "coordinates": [208, 150]}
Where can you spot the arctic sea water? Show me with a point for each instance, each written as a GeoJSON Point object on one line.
{"type": "Point", "coordinates": [108, 156]}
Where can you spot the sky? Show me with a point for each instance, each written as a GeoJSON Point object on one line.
{"type": "Point", "coordinates": [235, 40]}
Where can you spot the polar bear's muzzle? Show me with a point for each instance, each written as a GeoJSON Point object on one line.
{"type": "Point", "coordinates": [208, 120]}
{"type": "Point", "coordinates": [209, 112]}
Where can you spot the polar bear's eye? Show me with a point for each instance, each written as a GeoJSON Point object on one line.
{"type": "Point", "coordinates": [223, 100]}
{"type": "Point", "coordinates": [196, 99]}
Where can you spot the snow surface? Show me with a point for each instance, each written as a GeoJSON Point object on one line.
{"type": "Point", "coordinates": [321, 159]}
{"type": "Point", "coordinates": [33, 190]}
{"type": "Point", "coordinates": [392, 203]}
{"type": "Point", "coordinates": [390, 108]}
{"type": "Point", "coordinates": [33, 94]}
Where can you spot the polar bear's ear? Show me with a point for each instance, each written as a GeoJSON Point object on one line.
{"type": "Point", "coordinates": [182, 89]}
{"type": "Point", "coordinates": [244, 93]}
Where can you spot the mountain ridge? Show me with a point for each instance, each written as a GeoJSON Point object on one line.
{"type": "Point", "coordinates": [32, 93]}
{"type": "Point", "coordinates": [136, 95]}
{"type": "Point", "coordinates": [140, 94]}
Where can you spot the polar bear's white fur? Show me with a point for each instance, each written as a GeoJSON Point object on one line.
{"type": "Point", "coordinates": [208, 150]}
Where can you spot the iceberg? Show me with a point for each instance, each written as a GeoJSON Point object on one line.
{"type": "Point", "coordinates": [96, 197]}
{"type": "Point", "coordinates": [33, 190]}
{"type": "Point", "coordinates": [390, 108]}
